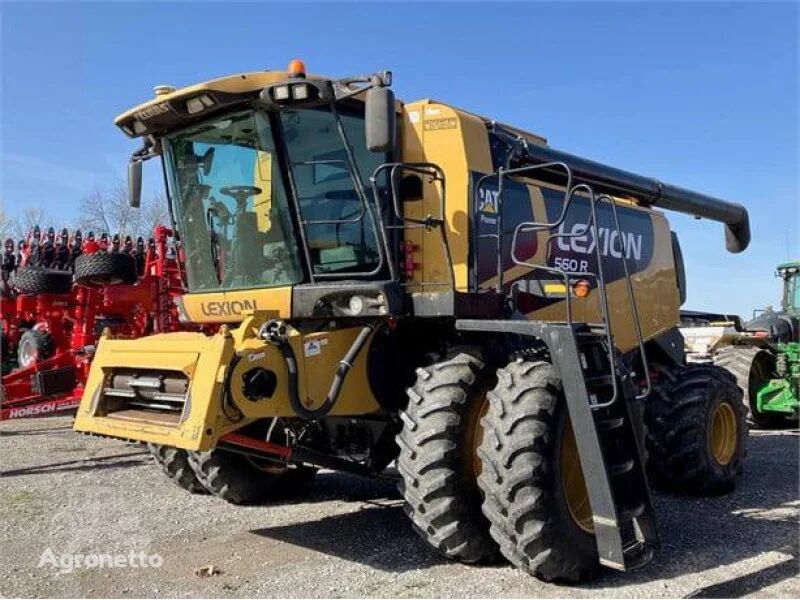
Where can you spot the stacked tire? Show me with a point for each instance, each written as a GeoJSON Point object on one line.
{"type": "Point", "coordinates": [36, 280]}
{"type": "Point", "coordinates": [105, 268]}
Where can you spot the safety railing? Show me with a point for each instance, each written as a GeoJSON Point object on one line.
{"type": "Point", "coordinates": [568, 277]}
{"type": "Point", "coordinates": [400, 221]}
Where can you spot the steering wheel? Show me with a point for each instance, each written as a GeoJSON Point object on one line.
{"type": "Point", "coordinates": [240, 193]}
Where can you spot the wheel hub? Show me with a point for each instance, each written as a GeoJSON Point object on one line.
{"type": "Point", "coordinates": [27, 353]}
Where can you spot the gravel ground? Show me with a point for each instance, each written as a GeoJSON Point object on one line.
{"type": "Point", "coordinates": [348, 537]}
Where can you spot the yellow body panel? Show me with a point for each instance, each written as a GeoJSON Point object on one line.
{"type": "Point", "coordinates": [214, 366]}
{"type": "Point", "coordinates": [200, 357]}
{"type": "Point", "coordinates": [233, 306]}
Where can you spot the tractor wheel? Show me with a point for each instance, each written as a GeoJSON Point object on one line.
{"type": "Point", "coordinates": [438, 458]}
{"type": "Point", "coordinates": [103, 268]}
{"type": "Point", "coordinates": [534, 493]}
{"type": "Point", "coordinates": [34, 346]}
{"type": "Point", "coordinates": [696, 430]}
{"type": "Point", "coordinates": [37, 280]}
{"type": "Point", "coordinates": [175, 464]}
{"type": "Point", "coordinates": [241, 479]}
{"type": "Point", "coordinates": [752, 368]}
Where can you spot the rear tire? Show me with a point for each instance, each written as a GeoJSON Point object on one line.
{"type": "Point", "coordinates": [523, 479]}
{"type": "Point", "coordinates": [175, 464]}
{"type": "Point", "coordinates": [37, 280]}
{"type": "Point", "coordinates": [105, 268]}
{"type": "Point", "coordinates": [34, 346]}
{"type": "Point", "coordinates": [696, 430]}
{"type": "Point", "coordinates": [752, 368]}
{"type": "Point", "coordinates": [437, 459]}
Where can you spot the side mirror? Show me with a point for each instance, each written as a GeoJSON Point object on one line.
{"type": "Point", "coordinates": [380, 119]}
{"type": "Point", "coordinates": [135, 183]}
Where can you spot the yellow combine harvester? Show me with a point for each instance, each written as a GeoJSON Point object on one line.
{"type": "Point", "coordinates": [420, 284]}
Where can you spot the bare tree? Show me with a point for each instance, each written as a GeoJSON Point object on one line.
{"type": "Point", "coordinates": [6, 224]}
{"type": "Point", "coordinates": [107, 210]}
{"type": "Point", "coordinates": [155, 212]}
{"type": "Point", "coordinates": [19, 227]}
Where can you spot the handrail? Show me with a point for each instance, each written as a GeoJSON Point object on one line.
{"type": "Point", "coordinates": [500, 173]}
{"type": "Point", "coordinates": [436, 173]}
{"type": "Point", "coordinates": [599, 277]}
{"type": "Point", "coordinates": [631, 296]}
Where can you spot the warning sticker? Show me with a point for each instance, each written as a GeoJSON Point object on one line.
{"type": "Point", "coordinates": [312, 347]}
{"type": "Point", "coordinates": [439, 124]}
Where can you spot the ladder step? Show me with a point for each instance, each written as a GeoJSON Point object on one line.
{"type": "Point", "coordinates": [597, 381]}
{"type": "Point", "coordinates": [621, 468]}
{"type": "Point", "coordinates": [611, 423]}
{"type": "Point", "coordinates": [637, 555]}
{"type": "Point", "coordinates": [631, 512]}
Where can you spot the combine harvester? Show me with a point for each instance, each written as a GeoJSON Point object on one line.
{"type": "Point", "coordinates": [355, 247]}
{"type": "Point", "coordinates": [52, 317]}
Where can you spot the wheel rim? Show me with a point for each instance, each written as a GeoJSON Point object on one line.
{"type": "Point", "coordinates": [27, 353]}
{"type": "Point", "coordinates": [723, 433]}
{"type": "Point", "coordinates": [573, 483]}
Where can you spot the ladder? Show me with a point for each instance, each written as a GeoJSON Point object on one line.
{"type": "Point", "coordinates": [603, 401]}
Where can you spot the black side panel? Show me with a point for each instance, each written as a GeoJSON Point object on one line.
{"type": "Point", "coordinates": [321, 300]}
{"type": "Point", "coordinates": [665, 348]}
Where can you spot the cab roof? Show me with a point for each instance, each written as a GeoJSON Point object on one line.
{"type": "Point", "coordinates": [244, 86]}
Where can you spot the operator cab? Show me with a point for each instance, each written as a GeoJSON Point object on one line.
{"type": "Point", "coordinates": [272, 187]}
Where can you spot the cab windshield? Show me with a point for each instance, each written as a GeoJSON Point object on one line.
{"type": "Point", "coordinates": [234, 210]}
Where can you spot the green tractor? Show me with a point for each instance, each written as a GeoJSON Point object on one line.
{"type": "Point", "coordinates": [764, 355]}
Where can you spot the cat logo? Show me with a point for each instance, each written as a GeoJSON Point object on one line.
{"type": "Point", "coordinates": [488, 201]}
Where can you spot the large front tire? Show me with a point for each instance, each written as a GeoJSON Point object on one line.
{"type": "Point", "coordinates": [696, 430]}
{"type": "Point", "coordinates": [534, 493]}
{"type": "Point", "coordinates": [438, 462]}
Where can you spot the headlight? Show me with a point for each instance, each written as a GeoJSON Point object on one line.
{"type": "Point", "coordinates": [300, 91]}
{"type": "Point", "coordinates": [199, 104]}
{"type": "Point", "coordinates": [281, 92]}
{"type": "Point", "coordinates": [193, 105]}
{"type": "Point", "coordinates": [356, 305]}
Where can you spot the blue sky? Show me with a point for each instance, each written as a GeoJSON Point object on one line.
{"type": "Point", "coordinates": [700, 95]}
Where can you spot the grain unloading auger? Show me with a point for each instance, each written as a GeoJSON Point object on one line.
{"type": "Point", "coordinates": [526, 300]}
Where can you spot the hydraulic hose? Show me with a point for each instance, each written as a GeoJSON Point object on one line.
{"type": "Point", "coordinates": [338, 379]}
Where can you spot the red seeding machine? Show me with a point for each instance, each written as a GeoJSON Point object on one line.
{"type": "Point", "coordinates": [58, 294]}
